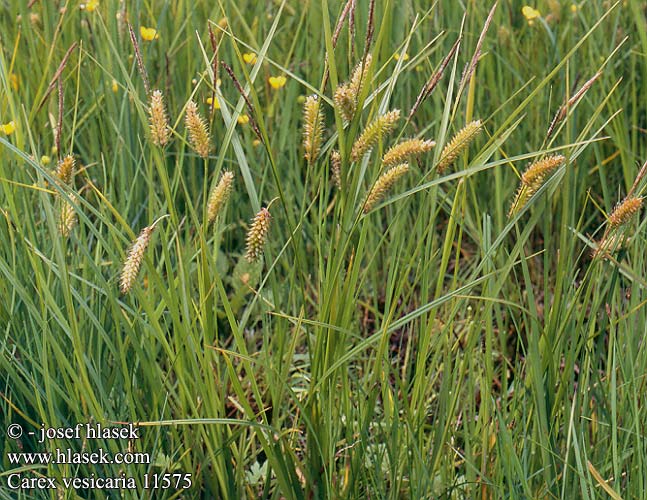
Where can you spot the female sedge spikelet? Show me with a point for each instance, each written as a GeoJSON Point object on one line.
{"type": "Point", "coordinates": [347, 95]}
{"type": "Point", "coordinates": [160, 131]}
{"type": "Point", "coordinates": [360, 77]}
{"type": "Point", "coordinates": [313, 124]}
{"type": "Point", "coordinates": [219, 195]}
{"type": "Point", "coordinates": [135, 257]}
{"type": "Point", "coordinates": [67, 217]}
{"type": "Point", "coordinates": [625, 211]}
{"type": "Point", "coordinates": [458, 144]}
{"type": "Point", "coordinates": [257, 235]}
{"type": "Point", "coordinates": [611, 243]}
{"type": "Point", "coordinates": [383, 184]}
{"type": "Point", "coordinates": [65, 169]}
{"type": "Point", "coordinates": [378, 128]}
{"type": "Point", "coordinates": [405, 149]}
{"type": "Point", "coordinates": [198, 130]}
{"type": "Point", "coordinates": [345, 102]}
{"type": "Point", "coordinates": [533, 178]}
{"type": "Point", "coordinates": [536, 174]}
{"type": "Point", "coordinates": [335, 166]}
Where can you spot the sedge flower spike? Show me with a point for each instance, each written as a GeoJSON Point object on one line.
{"type": "Point", "coordinates": [219, 195]}
{"type": "Point", "coordinates": [335, 166]}
{"type": "Point", "coordinates": [313, 124]}
{"type": "Point", "coordinates": [347, 95]}
{"type": "Point", "coordinates": [67, 217]}
{"type": "Point", "coordinates": [373, 133]}
{"type": "Point", "coordinates": [458, 144]}
{"type": "Point", "coordinates": [533, 179]}
{"type": "Point", "coordinates": [383, 184]}
{"type": "Point", "coordinates": [257, 235]}
{"type": "Point", "coordinates": [198, 130]}
{"type": "Point", "coordinates": [406, 149]}
{"type": "Point", "coordinates": [65, 169]}
{"type": "Point", "coordinates": [133, 262]}
{"type": "Point", "coordinates": [160, 131]}
{"type": "Point", "coordinates": [625, 211]}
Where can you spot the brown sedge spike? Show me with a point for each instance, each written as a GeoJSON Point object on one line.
{"type": "Point", "coordinates": [625, 211]}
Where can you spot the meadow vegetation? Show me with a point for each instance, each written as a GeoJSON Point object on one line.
{"type": "Point", "coordinates": [328, 249]}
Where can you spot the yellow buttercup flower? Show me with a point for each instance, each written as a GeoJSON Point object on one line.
{"type": "Point", "coordinates": [405, 57]}
{"type": "Point", "coordinates": [256, 143]}
{"type": "Point", "coordinates": [209, 101]}
{"type": "Point", "coordinates": [243, 119]}
{"type": "Point", "coordinates": [249, 58]}
{"type": "Point", "coordinates": [530, 14]}
{"type": "Point", "coordinates": [276, 82]}
{"type": "Point", "coordinates": [91, 5]}
{"type": "Point", "coordinates": [8, 128]}
{"type": "Point", "coordinates": [148, 34]}
{"type": "Point", "coordinates": [115, 86]}
{"type": "Point", "coordinates": [574, 8]}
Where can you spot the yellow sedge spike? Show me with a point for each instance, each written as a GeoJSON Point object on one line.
{"type": "Point", "coordinates": [198, 130]}
{"type": "Point", "coordinates": [335, 166]}
{"type": "Point", "coordinates": [344, 102]}
{"type": "Point", "coordinates": [372, 134]}
{"type": "Point", "coordinates": [406, 149]}
{"type": "Point", "coordinates": [625, 211]}
{"type": "Point", "coordinates": [160, 131]}
{"type": "Point", "coordinates": [458, 144]}
{"type": "Point", "coordinates": [383, 184]}
{"type": "Point", "coordinates": [219, 195]}
{"type": "Point", "coordinates": [257, 235]}
{"type": "Point", "coordinates": [134, 260]}
{"type": "Point", "coordinates": [532, 179]}
{"type": "Point", "coordinates": [360, 77]}
{"type": "Point", "coordinates": [67, 217]}
{"type": "Point", "coordinates": [313, 124]}
{"type": "Point", "coordinates": [65, 169]}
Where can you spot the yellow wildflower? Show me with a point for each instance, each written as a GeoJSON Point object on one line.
{"type": "Point", "coordinates": [405, 57]}
{"type": "Point", "coordinates": [148, 34]}
{"type": "Point", "coordinates": [8, 128]}
{"type": "Point", "coordinates": [45, 160]}
{"type": "Point", "coordinates": [574, 8]}
{"type": "Point", "coordinates": [530, 14]}
{"type": "Point", "coordinates": [249, 58]}
{"type": "Point", "coordinates": [115, 86]}
{"type": "Point", "coordinates": [256, 143]}
{"type": "Point", "coordinates": [276, 82]}
{"type": "Point", "coordinates": [210, 101]}
{"type": "Point", "coordinates": [91, 5]}
{"type": "Point", "coordinates": [243, 119]}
